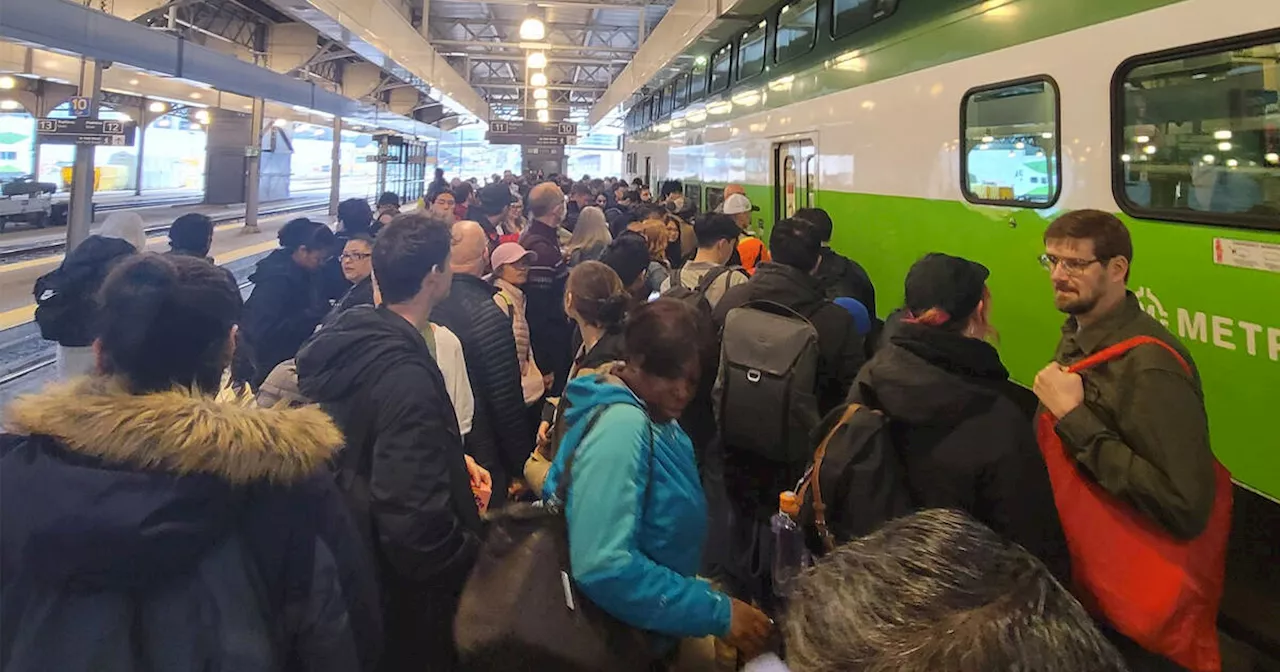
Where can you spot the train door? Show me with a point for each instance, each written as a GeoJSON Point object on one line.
{"type": "Point", "coordinates": [648, 168]}
{"type": "Point", "coordinates": [795, 183]}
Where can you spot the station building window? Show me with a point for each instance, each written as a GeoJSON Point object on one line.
{"type": "Point", "coordinates": [751, 51]}
{"type": "Point", "coordinates": [797, 26]}
{"type": "Point", "coordinates": [1012, 144]}
{"type": "Point", "coordinates": [720, 69]}
{"type": "Point", "coordinates": [1196, 134]}
{"type": "Point", "coordinates": [850, 16]}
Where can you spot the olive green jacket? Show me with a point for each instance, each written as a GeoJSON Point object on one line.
{"type": "Point", "coordinates": [1142, 431]}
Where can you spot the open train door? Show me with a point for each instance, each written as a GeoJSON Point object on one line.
{"type": "Point", "coordinates": [795, 179]}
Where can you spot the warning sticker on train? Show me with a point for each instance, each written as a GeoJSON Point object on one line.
{"type": "Point", "coordinates": [1247, 254]}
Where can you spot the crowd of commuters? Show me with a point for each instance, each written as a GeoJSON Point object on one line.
{"type": "Point", "coordinates": [576, 344]}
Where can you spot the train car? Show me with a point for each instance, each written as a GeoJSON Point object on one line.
{"type": "Point", "coordinates": [966, 127]}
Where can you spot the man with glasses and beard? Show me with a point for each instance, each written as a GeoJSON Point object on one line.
{"type": "Point", "coordinates": [1140, 431]}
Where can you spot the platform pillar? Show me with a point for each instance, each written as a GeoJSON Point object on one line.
{"type": "Point", "coordinates": [253, 161]}
{"type": "Point", "coordinates": [80, 217]}
{"type": "Point", "coordinates": [335, 168]}
{"type": "Point", "coordinates": [143, 121]}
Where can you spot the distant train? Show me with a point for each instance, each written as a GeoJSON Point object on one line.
{"type": "Point", "coordinates": [965, 127]}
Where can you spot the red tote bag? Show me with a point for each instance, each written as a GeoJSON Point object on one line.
{"type": "Point", "coordinates": [1159, 591]}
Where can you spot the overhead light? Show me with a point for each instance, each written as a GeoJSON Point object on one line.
{"type": "Point", "coordinates": [1126, 158]}
{"type": "Point", "coordinates": [157, 107]}
{"type": "Point", "coordinates": [280, 123]}
{"type": "Point", "coordinates": [1019, 145]}
{"type": "Point", "coordinates": [537, 60]}
{"type": "Point", "coordinates": [202, 116]}
{"type": "Point", "coordinates": [1224, 146]}
{"type": "Point", "coordinates": [7, 82]}
{"type": "Point", "coordinates": [539, 94]}
{"type": "Point", "coordinates": [8, 104]}
{"type": "Point", "coordinates": [1222, 135]}
{"type": "Point", "coordinates": [1149, 149]}
{"type": "Point", "coordinates": [987, 138]}
{"type": "Point", "coordinates": [1232, 163]}
{"type": "Point", "coordinates": [701, 60]}
{"type": "Point", "coordinates": [133, 82]}
{"type": "Point", "coordinates": [544, 115]}
{"type": "Point", "coordinates": [1272, 157]}
{"type": "Point", "coordinates": [540, 104]}
{"type": "Point", "coordinates": [1142, 139]}
{"type": "Point", "coordinates": [1047, 135]}
{"type": "Point", "coordinates": [1208, 158]}
{"type": "Point", "coordinates": [532, 28]}
{"type": "Point", "coordinates": [538, 79]}
{"type": "Point", "coordinates": [196, 96]}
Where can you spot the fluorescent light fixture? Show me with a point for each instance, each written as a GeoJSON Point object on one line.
{"type": "Point", "coordinates": [133, 82]}
{"type": "Point", "coordinates": [1149, 149]}
{"type": "Point", "coordinates": [8, 104]}
{"type": "Point", "coordinates": [701, 60]}
{"type": "Point", "coordinates": [1209, 158]}
{"type": "Point", "coordinates": [196, 96]}
{"type": "Point", "coordinates": [157, 107]}
{"type": "Point", "coordinates": [1047, 135]}
{"type": "Point", "coordinates": [988, 139]}
{"type": "Point", "coordinates": [1232, 163]}
{"type": "Point", "coordinates": [544, 115]}
{"type": "Point", "coordinates": [1142, 139]}
{"type": "Point", "coordinates": [1126, 158]}
{"type": "Point", "coordinates": [202, 116]}
{"type": "Point", "coordinates": [537, 60]}
{"type": "Point", "coordinates": [539, 94]}
{"type": "Point", "coordinates": [8, 82]}
{"type": "Point", "coordinates": [1273, 157]}
{"type": "Point", "coordinates": [540, 104]}
{"type": "Point", "coordinates": [538, 79]}
{"type": "Point", "coordinates": [1222, 135]}
{"type": "Point", "coordinates": [1224, 146]}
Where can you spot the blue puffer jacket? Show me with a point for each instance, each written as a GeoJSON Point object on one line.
{"type": "Point", "coordinates": [636, 513]}
{"type": "Point", "coordinates": [170, 531]}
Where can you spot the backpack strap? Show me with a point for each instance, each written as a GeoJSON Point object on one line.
{"type": "Point", "coordinates": [709, 278]}
{"type": "Point", "coordinates": [815, 477]}
{"type": "Point", "coordinates": [1115, 351]}
{"type": "Point", "coordinates": [675, 278]}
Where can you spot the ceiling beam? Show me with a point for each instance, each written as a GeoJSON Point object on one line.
{"type": "Point", "coordinates": [574, 4]}
{"type": "Point", "coordinates": [499, 84]}
{"type": "Point", "coordinates": [521, 46]}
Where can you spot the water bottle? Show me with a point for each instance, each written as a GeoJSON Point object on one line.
{"type": "Point", "coordinates": [789, 552]}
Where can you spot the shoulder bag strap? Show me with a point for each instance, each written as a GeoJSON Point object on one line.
{"type": "Point", "coordinates": [1115, 351]}
{"type": "Point", "coordinates": [562, 487]}
{"type": "Point", "coordinates": [815, 476]}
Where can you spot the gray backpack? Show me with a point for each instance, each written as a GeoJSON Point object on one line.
{"type": "Point", "coordinates": [765, 391]}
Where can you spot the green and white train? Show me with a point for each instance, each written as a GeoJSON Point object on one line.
{"type": "Point", "coordinates": [966, 127]}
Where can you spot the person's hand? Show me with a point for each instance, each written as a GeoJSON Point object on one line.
{"type": "Point", "coordinates": [517, 488]}
{"type": "Point", "coordinates": [749, 629]}
{"type": "Point", "coordinates": [480, 477]}
{"type": "Point", "coordinates": [544, 433]}
{"type": "Point", "coordinates": [1059, 390]}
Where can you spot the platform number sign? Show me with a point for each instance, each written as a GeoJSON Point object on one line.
{"type": "Point", "coordinates": [80, 106]}
{"type": "Point", "coordinates": [566, 128]}
{"type": "Point", "coordinates": [499, 127]}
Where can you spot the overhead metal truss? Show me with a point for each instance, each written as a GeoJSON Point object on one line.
{"type": "Point", "coordinates": [241, 23]}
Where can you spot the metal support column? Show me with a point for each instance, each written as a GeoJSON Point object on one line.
{"type": "Point", "coordinates": [144, 118]}
{"type": "Point", "coordinates": [335, 168]}
{"type": "Point", "coordinates": [644, 25]}
{"type": "Point", "coordinates": [425, 28]}
{"type": "Point", "coordinates": [80, 218]}
{"type": "Point", "coordinates": [253, 158]}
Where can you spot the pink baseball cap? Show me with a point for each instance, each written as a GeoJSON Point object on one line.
{"type": "Point", "coordinates": [508, 253]}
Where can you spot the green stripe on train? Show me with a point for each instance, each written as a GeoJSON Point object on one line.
{"type": "Point", "coordinates": [915, 38]}
{"type": "Point", "coordinates": [1227, 316]}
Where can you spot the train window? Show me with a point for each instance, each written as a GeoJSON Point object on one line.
{"type": "Point", "coordinates": [851, 16]}
{"type": "Point", "coordinates": [720, 62]}
{"type": "Point", "coordinates": [751, 51]}
{"type": "Point", "coordinates": [698, 80]}
{"type": "Point", "coordinates": [1012, 143]}
{"type": "Point", "coordinates": [715, 196]}
{"type": "Point", "coordinates": [1196, 134]}
{"type": "Point", "coordinates": [669, 97]}
{"type": "Point", "coordinates": [693, 195]}
{"type": "Point", "coordinates": [797, 26]}
{"type": "Point", "coordinates": [682, 90]}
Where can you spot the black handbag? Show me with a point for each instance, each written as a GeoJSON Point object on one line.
{"type": "Point", "coordinates": [520, 609]}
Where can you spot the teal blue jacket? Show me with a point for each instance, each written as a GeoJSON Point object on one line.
{"type": "Point", "coordinates": [637, 519]}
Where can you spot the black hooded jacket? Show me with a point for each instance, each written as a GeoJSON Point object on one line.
{"type": "Point", "coordinates": [965, 434]}
{"type": "Point", "coordinates": [498, 439]}
{"type": "Point", "coordinates": [283, 310]}
{"type": "Point", "coordinates": [841, 276]}
{"type": "Point", "coordinates": [372, 371]}
{"type": "Point", "coordinates": [80, 277]}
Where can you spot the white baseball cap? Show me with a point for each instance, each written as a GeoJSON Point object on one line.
{"type": "Point", "coordinates": [737, 204]}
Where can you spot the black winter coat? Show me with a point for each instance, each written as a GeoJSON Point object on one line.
{"type": "Point", "coordinates": [83, 272]}
{"type": "Point", "coordinates": [404, 472]}
{"type": "Point", "coordinates": [499, 439]}
{"type": "Point", "coordinates": [841, 276]}
{"type": "Point", "coordinates": [965, 434]}
{"type": "Point", "coordinates": [283, 310]}
{"type": "Point", "coordinates": [167, 531]}
{"type": "Point", "coordinates": [360, 294]}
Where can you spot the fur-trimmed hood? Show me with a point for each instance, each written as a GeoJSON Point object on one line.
{"type": "Point", "coordinates": [178, 431]}
{"type": "Point", "coordinates": [105, 488]}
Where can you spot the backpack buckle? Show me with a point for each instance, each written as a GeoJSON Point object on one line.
{"type": "Point", "coordinates": [753, 376]}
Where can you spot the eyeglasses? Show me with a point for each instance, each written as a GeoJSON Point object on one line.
{"type": "Point", "coordinates": [1071, 266]}
{"type": "Point", "coordinates": [354, 256]}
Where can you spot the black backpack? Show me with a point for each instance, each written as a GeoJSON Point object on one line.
{"type": "Point", "coordinates": [696, 296]}
{"type": "Point", "coordinates": [856, 482]}
{"type": "Point", "coordinates": [61, 306]}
